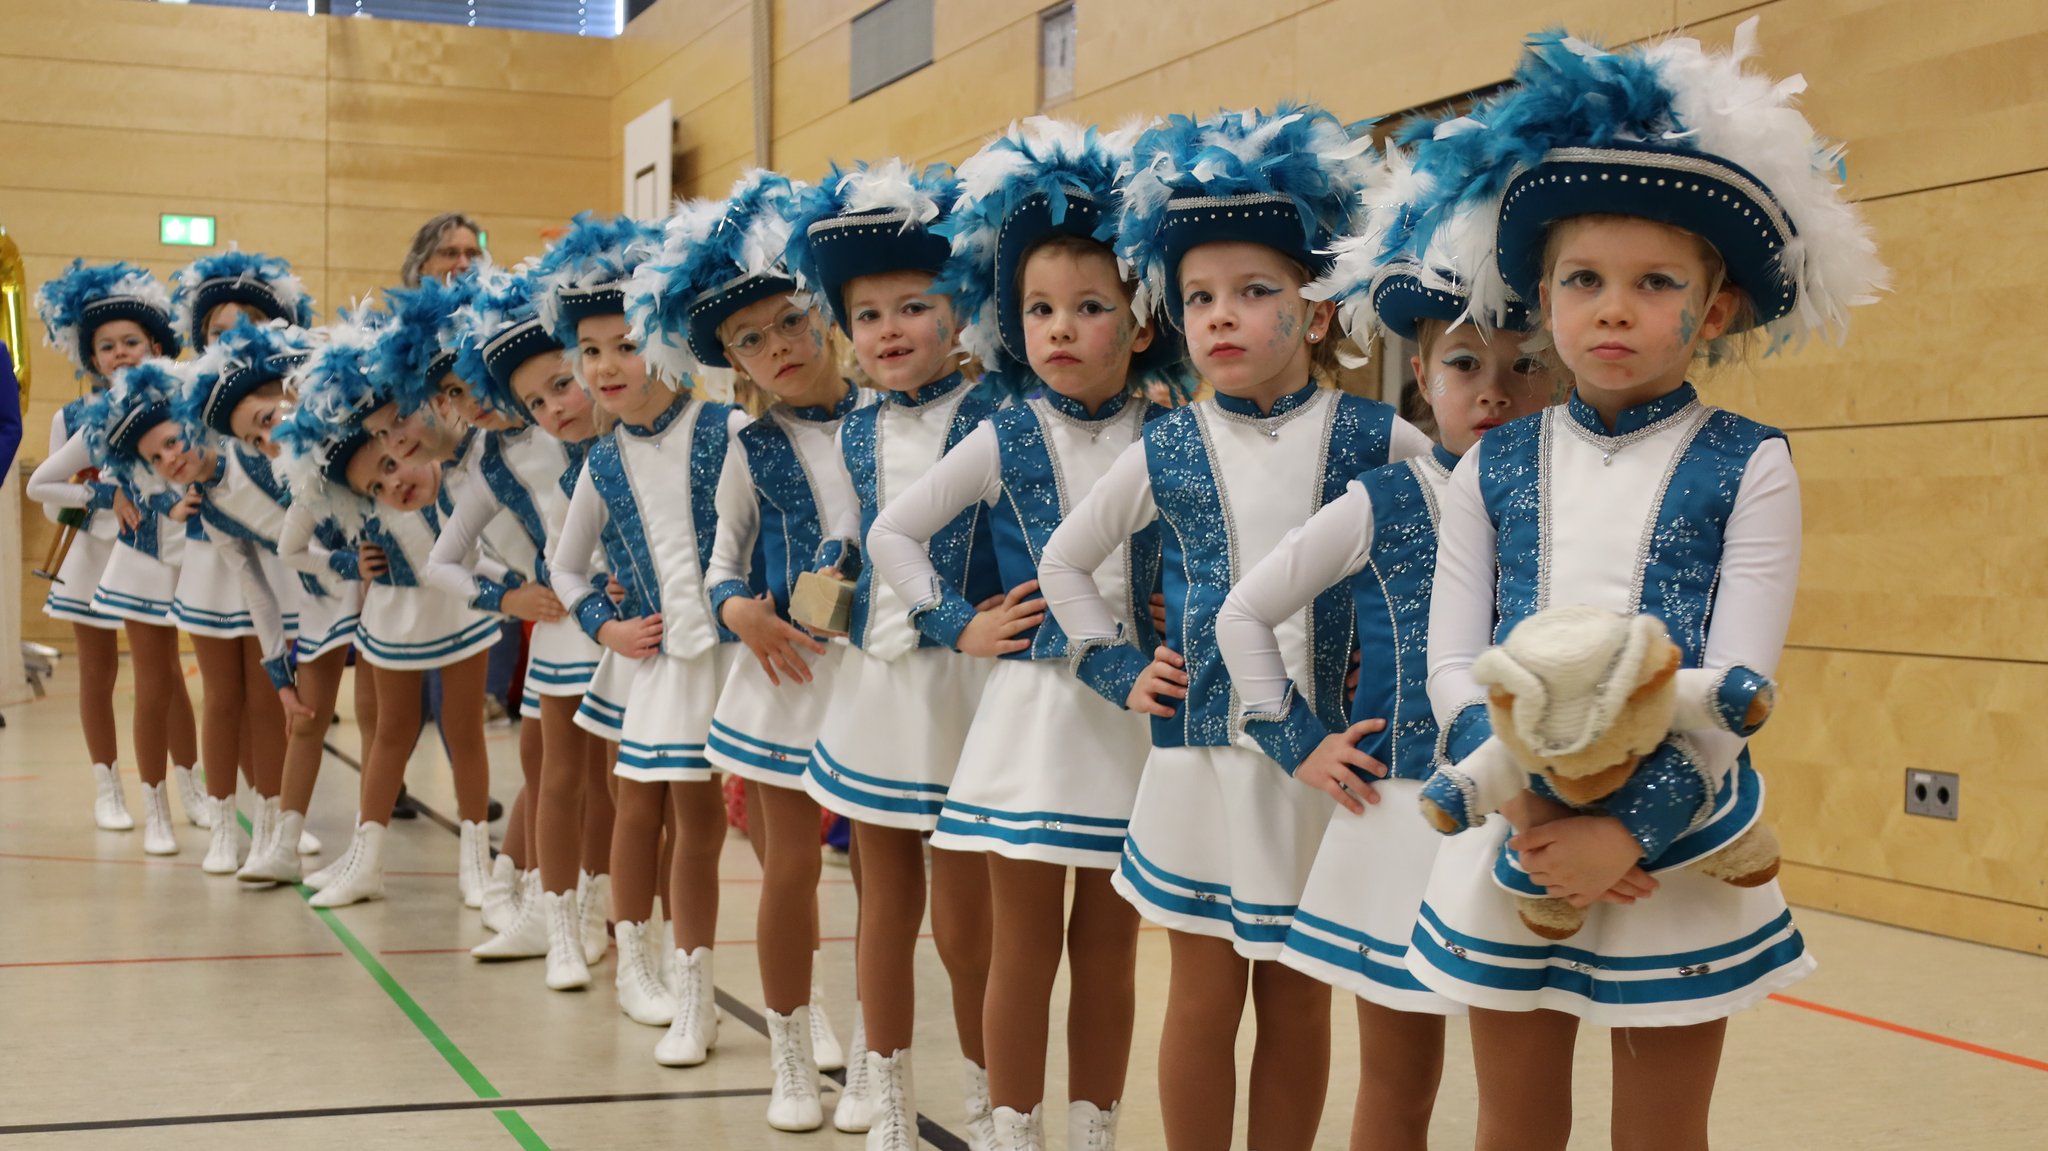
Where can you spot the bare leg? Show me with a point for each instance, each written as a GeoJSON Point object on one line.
{"type": "Point", "coordinates": [99, 664]}
{"type": "Point", "coordinates": [518, 845]}
{"type": "Point", "coordinates": [636, 849]}
{"type": "Point", "coordinates": [1102, 1003]}
{"type": "Point", "coordinates": [786, 831]}
{"type": "Point", "coordinates": [1523, 1061]}
{"type": "Point", "coordinates": [462, 727]}
{"type": "Point", "coordinates": [527, 818]}
{"type": "Point", "coordinates": [1198, 1044]}
{"type": "Point", "coordinates": [961, 929]}
{"type": "Point", "coordinates": [398, 729]}
{"type": "Point", "coordinates": [560, 796]}
{"type": "Point", "coordinates": [1400, 1064]}
{"type": "Point", "coordinates": [1664, 1085]}
{"type": "Point", "coordinates": [1291, 1061]}
{"type": "Point", "coordinates": [158, 680]}
{"type": "Point", "coordinates": [891, 864]}
{"type": "Point", "coordinates": [319, 684]}
{"type": "Point", "coordinates": [693, 876]}
{"type": "Point", "coordinates": [263, 717]}
{"type": "Point", "coordinates": [757, 836]}
{"type": "Point", "coordinates": [220, 674]}
{"type": "Point", "coordinates": [1029, 902]}
{"type": "Point", "coordinates": [182, 733]}
{"type": "Point", "coordinates": [598, 813]}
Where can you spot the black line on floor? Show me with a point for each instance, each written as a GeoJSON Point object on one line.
{"type": "Point", "coordinates": [388, 1109]}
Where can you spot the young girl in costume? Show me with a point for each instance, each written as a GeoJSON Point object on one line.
{"type": "Point", "coordinates": [407, 626]}
{"type": "Point", "coordinates": [718, 295]}
{"type": "Point", "coordinates": [235, 394]}
{"type": "Point", "coordinates": [241, 720]}
{"type": "Point", "coordinates": [1228, 219]}
{"type": "Point", "coordinates": [1656, 203]}
{"type": "Point", "coordinates": [654, 478]}
{"type": "Point", "coordinates": [510, 339]}
{"type": "Point", "coordinates": [105, 318]}
{"type": "Point", "coordinates": [890, 741]}
{"type": "Point", "coordinates": [1377, 542]}
{"type": "Point", "coordinates": [1049, 769]}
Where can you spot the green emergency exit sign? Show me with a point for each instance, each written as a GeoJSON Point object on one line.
{"type": "Point", "coordinates": [186, 231]}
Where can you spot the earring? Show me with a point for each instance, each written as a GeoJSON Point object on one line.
{"type": "Point", "coordinates": [1313, 337]}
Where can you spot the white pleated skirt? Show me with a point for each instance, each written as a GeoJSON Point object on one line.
{"type": "Point", "coordinates": [668, 716]}
{"type": "Point", "coordinates": [1695, 951]}
{"type": "Point", "coordinates": [210, 601]}
{"type": "Point", "coordinates": [1358, 908]}
{"type": "Point", "coordinates": [892, 736]}
{"type": "Point", "coordinates": [139, 587]}
{"type": "Point", "coordinates": [70, 596]}
{"type": "Point", "coordinates": [421, 628]}
{"type": "Point", "coordinates": [763, 731]}
{"type": "Point", "coordinates": [603, 710]}
{"type": "Point", "coordinates": [1221, 843]}
{"type": "Point", "coordinates": [329, 623]}
{"type": "Point", "coordinates": [1049, 770]}
{"type": "Point", "coordinates": [560, 659]}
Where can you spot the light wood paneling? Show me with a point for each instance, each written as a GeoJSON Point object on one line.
{"type": "Point", "coordinates": [462, 120]}
{"type": "Point", "coordinates": [699, 71]}
{"type": "Point", "coordinates": [205, 39]}
{"type": "Point", "coordinates": [453, 56]}
{"type": "Point", "coordinates": [374, 240]}
{"type": "Point", "coordinates": [108, 225]}
{"type": "Point", "coordinates": [798, 22]}
{"type": "Point", "coordinates": [957, 26]}
{"type": "Point", "coordinates": [811, 82]}
{"type": "Point", "coordinates": [658, 33]}
{"type": "Point", "coordinates": [61, 157]}
{"type": "Point", "coordinates": [144, 98]}
{"type": "Point", "coordinates": [718, 134]}
{"type": "Point", "coordinates": [484, 183]}
{"type": "Point", "coordinates": [1117, 42]}
{"type": "Point", "coordinates": [1849, 726]}
{"type": "Point", "coordinates": [1988, 921]}
{"type": "Point", "coordinates": [1926, 539]}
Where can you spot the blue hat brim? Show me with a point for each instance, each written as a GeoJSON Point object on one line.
{"type": "Point", "coordinates": [1031, 224]}
{"type": "Point", "coordinates": [234, 387]}
{"type": "Point", "coordinates": [510, 350]}
{"type": "Point", "coordinates": [111, 309]}
{"type": "Point", "coordinates": [1265, 219]}
{"type": "Point", "coordinates": [1403, 302]}
{"type": "Point", "coordinates": [1705, 195]}
{"type": "Point", "coordinates": [341, 453]}
{"type": "Point", "coordinates": [845, 248]}
{"type": "Point", "coordinates": [579, 304]}
{"type": "Point", "coordinates": [715, 307]}
{"type": "Point", "coordinates": [240, 290]}
{"type": "Point", "coordinates": [124, 438]}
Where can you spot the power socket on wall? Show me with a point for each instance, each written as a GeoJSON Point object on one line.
{"type": "Point", "coordinates": [1932, 793]}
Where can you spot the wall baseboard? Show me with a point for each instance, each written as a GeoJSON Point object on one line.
{"type": "Point", "coordinates": [2015, 926]}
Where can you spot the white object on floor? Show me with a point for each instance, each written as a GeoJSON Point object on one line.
{"type": "Point", "coordinates": [694, 1031]}
{"type": "Point", "coordinates": [644, 993]}
{"type": "Point", "coordinates": [567, 970]}
{"type": "Point", "coordinates": [109, 803]}
{"type": "Point", "coordinates": [793, 1103]}
{"type": "Point", "coordinates": [157, 836]}
{"type": "Point", "coordinates": [363, 877]}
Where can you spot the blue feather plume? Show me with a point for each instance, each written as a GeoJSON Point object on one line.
{"type": "Point", "coordinates": [61, 303]}
{"type": "Point", "coordinates": [156, 381]}
{"type": "Point", "coordinates": [499, 298]}
{"type": "Point", "coordinates": [421, 328]}
{"type": "Point", "coordinates": [235, 264]}
{"type": "Point", "coordinates": [706, 244]}
{"type": "Point", "coordinates": [596, 251]}
{"type": "Point", "coordinates": [884, 184]}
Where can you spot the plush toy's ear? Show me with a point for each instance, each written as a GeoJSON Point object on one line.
{"type": "Point", "coordinates": [1501, 698]}
{"type": "Point", "coordinates": [1658, 669]}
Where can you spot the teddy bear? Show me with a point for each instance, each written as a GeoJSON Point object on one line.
{"type": "Point", "coordinates": [1579, 699]}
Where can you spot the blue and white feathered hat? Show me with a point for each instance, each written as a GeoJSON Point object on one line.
{"type": "Point", "coordinates": [419, 342]}
{"type": "Point", "coordinates": [243, 359]}
{"type": "Point", "coordinates": [76, 303]}
{"type": "Point", "coordinates": [498, 330]}
{"type": "Point", "coordinates": [585, 272]}
{"type": "Point", "coordinates": [876, 219]}
{"type": "Point", "coordinates": [264, 283]}
{"type": "Point", "coordinates": [139, 398]}
{"type": "Point", "coordinates": [337, 387]}
{"type": "Point", "coordinates": [716, 257]}
{"type": "Point", "coordinates": [1675, 133]}
{"type": "Point", "coordinates": [1403, 265]}
{"type": "Point", "coordinates": [1290, 181]}
{"type": "Point", "coordinates": [1040, 179]}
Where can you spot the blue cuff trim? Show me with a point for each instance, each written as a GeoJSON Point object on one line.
{"type": "Point", "coordinates": [1290, 735]}
{"type": "Point", "coordinates": [943, 619]}
{"type": "Point", "coordinates": [1451, 792]}
{"type": "Point", "coordinates": [102, 496]}
{"type": "Point", "coordinates": [1111, 667]}
{"type": "Point", "coordinates": [279, 668]}
{"type": "Point", "coordinates": [1740, 687]}
{"type": "Point", "coordinates": [594, 611]}
{"type": "Point", "coordinates": [724, 591]}
{"type": "Point", "coordinates": [345, 564]}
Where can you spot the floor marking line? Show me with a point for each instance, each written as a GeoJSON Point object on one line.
{"type": "Point", "coordinates": [170, 959]}
{"type": "Point", "coordinates": [170, 863]}
{"type": "Point", "coordinates": [1914, 1032]}
{"type": "Point", "coordinates": [493, 1105]}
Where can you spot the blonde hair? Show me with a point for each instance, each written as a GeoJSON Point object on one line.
{"type": "Point", "coordinates": [1733, 346]}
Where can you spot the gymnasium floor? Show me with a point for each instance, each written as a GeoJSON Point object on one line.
{"type": "Point", "coordinates": [143, 1004]}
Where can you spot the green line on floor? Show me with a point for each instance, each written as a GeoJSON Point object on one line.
{"type": "Point", "coordinates": [513, 1122]}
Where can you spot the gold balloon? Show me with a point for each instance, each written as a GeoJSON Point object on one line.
{"type": "Point", "coordinates": [15, 310]}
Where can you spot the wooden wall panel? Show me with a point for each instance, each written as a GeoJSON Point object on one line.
{"type": "Point", "coordinates": [111, 225]}
{"type": "Point", "coordinates": [1849, 726]}
{"type": "Point", "coordinates": [207, 39]}
{"type": "Point", "coordinates": [798, 22]}
{"type": "Point", "coordinates": [483, 183]}
{"type": "Point", "coordinates": [462, 120]}
{"type": "Point", "coordinates": [717, 60]}
{"type": "Point", "coordinates": [1116, 42]}
{"type": "Point", "coordinates": [453, 56]}
{"type": "Point", "coordinates": [957, 26]}
{"type": "Point", "coordinates": [144, 98]}
{"type": "Point", "coordinates": [718, 134]}
{"type": "Point", "coordinates": [58, 157]}
{"type": "Point", "coordinates": [658, 33]}
{"type": "Point", "coordinates": [811, 82]}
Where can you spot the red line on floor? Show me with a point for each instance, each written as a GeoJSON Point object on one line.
{"type": "Point", "coordinates": [174, 959]}
{"type": "Point", "coordinates": [424, 951]}
{"type": "Point", "coordinates": [160, 861]}
{"type": "Point", "coordinates": [18, 778]}
{"type": "Point", "coordinates": [1914, 1032]}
